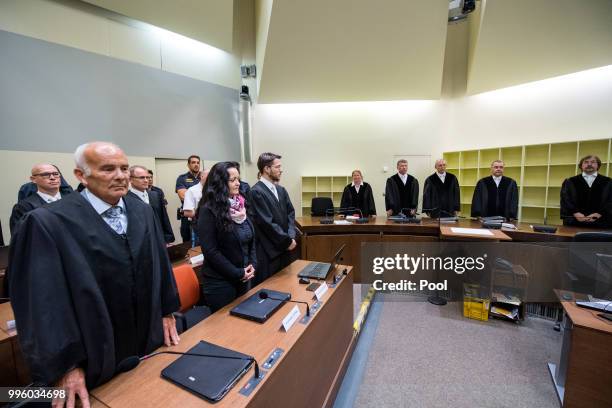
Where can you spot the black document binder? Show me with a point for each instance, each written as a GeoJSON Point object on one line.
{"type": "Point", "coordinates": [208, 377]}
{"type": "Point", "coordinates": [258, 309]}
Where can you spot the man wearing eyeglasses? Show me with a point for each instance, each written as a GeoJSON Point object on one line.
{"type": "Point", "coordinates": [139, 184]}
{"type": "Point", "coordinates": [47, 179]}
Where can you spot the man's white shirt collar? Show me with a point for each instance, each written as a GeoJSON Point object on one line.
{"type": "Point", "coordinates": [99, 205]}
{"type": "Point", "coordinates": [143, 195]}
{"type": "Point", "coordinates": [49, 198]}
{"type": "Point", "coordinates": [403, 177]}
{"type": "Point", "coordinates": [589, 178]}
{"type": "Point", "coordinates": [270, 186]}
{"type": "Point", "coordinates": [442, 176]}
{"type": "Point", "coordinates": [497, 180]}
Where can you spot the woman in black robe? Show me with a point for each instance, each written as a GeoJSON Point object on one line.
{"type": "Point", "coordinates": [359, 195]}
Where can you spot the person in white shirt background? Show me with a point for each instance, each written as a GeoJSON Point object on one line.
{"type": "Point", "coordinates": [193, 195]}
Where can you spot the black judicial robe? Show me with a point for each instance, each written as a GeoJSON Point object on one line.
{"type": "Point", "coordinates": [364, 200]}
{"type": "Point", "coordinates": [84, 295]}
{"type": "Point", "coordinates": [577, 196]}
{"type": "Point", "coordinates": [31, 202]}
{"type": "Point", "coordinates": [442, 196]}
{"type": "Point", "coordinates": [490, 200]}
{"type": "Point", "coordinates": [394, 194]}
{"type": "Point", "coordinates": [156, 201]}
{"type": "Point", "coordinates": [274, 222]}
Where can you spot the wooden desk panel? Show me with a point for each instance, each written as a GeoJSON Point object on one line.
{"type": "Point", "coordinates": [6, 314]}
{"type": "Point", "coordinates": [588, 381]}
{"type": "Point", "coordinates": [302, 377]}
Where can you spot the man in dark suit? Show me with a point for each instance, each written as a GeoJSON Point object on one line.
{"type": "Point", "coordinates": [30, 188]}
{"type": "Point", "coordinates": [152, 187]}
{"type": "Point", "coordinates": [139, 184]}
{"type": "Point", "coordinates": [401, 192]}
{"type": "Point", "coordinates": [274, 218]}
{"type": "Point", "coordinates": [47, 180]}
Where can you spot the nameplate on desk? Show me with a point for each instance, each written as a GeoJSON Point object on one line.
{"type": "Point", "coordinates": [342, 222]}
{"type": "Point", "coordinates": [197, 260]}
{"type": "Point", "coordinates": [10, 325]}
{"type": "Point", "coordinates": [291, 318]}
{"type": "Point", "coordinates": [471, 231]}
{"type": "Point", "coordinates": [320, 291]}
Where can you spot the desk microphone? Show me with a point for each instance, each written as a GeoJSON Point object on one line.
{"type": "Point", "coordinates": [129, 363]}
{"type": "Point", "coordinates": [265, 295]}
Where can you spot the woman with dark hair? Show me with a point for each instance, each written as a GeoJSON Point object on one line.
{"type": "Point", "coordinates": [227, 237]}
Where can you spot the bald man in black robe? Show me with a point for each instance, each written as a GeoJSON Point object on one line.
{"type": "Point", "coordinates": [496, 195]}
{"type": "Point", "coordinates": [90, 279]}
{"type": "Point", "coordinates": [441, 193]}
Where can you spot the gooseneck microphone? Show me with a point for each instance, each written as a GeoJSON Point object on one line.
{"type": "Point", "coordinates": [265, 295]}
{"type": "Point", "coordinates": [129, 363]}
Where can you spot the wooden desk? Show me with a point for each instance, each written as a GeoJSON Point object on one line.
{"type": "Point", "coordinates": [13, 370]}
{"type": "Point", "coordinates": [320, 241]}
{"type": "Point", "coordinates": [583, 376]}
{"type": "Point", "coordinates": [307, 374]}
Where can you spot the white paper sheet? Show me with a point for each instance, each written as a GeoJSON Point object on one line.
{"type": "Point", "coordinates": [472, 231]}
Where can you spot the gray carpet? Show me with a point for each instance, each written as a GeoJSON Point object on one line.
{"type": "Point", "coordinates": [429, 356]}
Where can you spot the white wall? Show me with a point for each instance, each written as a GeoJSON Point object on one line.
{"type": "Point", "coordinates": [89, 31]}
{"type": "Point", "coordinates": [333, 139]}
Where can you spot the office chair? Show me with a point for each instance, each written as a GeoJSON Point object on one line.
{"type": "Point", "coordinates": [320, 205]}
{"type": "Point", "coordinates": [188, 287]}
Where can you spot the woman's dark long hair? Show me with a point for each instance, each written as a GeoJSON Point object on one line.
{"type": "Point", "coordinates": [215, 194]}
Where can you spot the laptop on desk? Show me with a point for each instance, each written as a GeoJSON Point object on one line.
{"type": "Point", "coordinates": [259, 310]}
{"type": "Point", "coordinates": [321, 270]}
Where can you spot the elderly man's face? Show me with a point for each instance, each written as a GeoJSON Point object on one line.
{"type": "Point", "coordinates": [140, 179]}
{"type": "Point", "coordinates": [109, 173]}
{"type": "Point", "coordinates": [46, 178]}
{"type": "Point", "coordinates": [441, 166]}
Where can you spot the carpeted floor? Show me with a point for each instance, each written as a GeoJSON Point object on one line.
{"type": "Point", "coordinates": [423, 355]}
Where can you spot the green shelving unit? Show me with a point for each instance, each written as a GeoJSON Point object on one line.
{"type": "Point", "coordinates": [322, 186]}
{"type": "Point", "coordinates": [539, 171]}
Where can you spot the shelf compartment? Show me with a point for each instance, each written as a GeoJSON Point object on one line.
{"type": "Point", "coordinates": [513, 172]}
{"type": "Point", "coordinates": [596, 147]}
{"type": "Point", "coordinates": [487, 156]}
{"type": "Point", "coordinates": [563, 153]}
{"type": "Point", "coordinates": [324, 184]}
{"type": "Point", "coordinates": [534, 196]}
{"type": "Point", "coordinates": [553, 216]}
{"type": "Point", "coordinates": [554, 196]}
{"type": "Point", "coordinates": [466, 210]}
{"type": "Point", "coordinates": [469, 159]}
{"type": "Point", "coordinates": [307, 198]}
{"type": "Point", "coordinates": [560, 173]}
{"type": "Point", "coordinates": [467, 193]}
{"type": "Point", "coordinates": [468, 177]}
{"type": "Point", "coordinates": [452, 159]}
{"type": "Point", "coordinates": [339, 182]}
{"type": "Point", "coordinates": [535, 176]}
{"type": "Point", "coordinates": [532, 215]}
{"type": "Point", "coordinates": [309, 184]}
{"type": "Point", "coordinates": [512, 156]}
{"type": "Point", "coordinates": [536, 155]}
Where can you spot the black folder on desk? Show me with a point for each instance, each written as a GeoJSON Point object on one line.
{"type": "Point", "coordinates": [208, 377]}
{"type": "Point", "coordinates": [258, 309]}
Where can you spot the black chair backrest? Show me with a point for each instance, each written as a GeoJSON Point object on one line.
{"type": "Point", "coordinates": [320, 205]}
{"type": "Point", "coordinates": [601, 236]}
